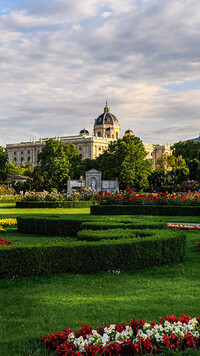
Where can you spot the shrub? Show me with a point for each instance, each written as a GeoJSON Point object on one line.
{"type": "Point", "coordinates": [49, 226]}
{"type": "Point", "coordinates": [92, 257]}
{"type": "Point", "coordinates": [91, 235]}
{"type": "Point", "coordinates": [105, 225]}
{"type": "Point", "coordinates": [145, 210]}
{"type": "Point", "coordinates": [53, 204]}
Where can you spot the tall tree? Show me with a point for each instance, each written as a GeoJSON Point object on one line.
{"type": "Point", "coordinates": [125, 159]}
{"type": "Point", "coordinates": [57, 162]}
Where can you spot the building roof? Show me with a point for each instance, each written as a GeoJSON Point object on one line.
{"type": "Point", "coordinates": [106, 118]}
{"type": "Point", "coordinates": [195, 139]}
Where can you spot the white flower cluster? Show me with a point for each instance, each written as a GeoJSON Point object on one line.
{"type": "Point", "coordinates": [155, 333]}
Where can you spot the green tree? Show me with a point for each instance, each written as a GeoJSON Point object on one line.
{"type": "Point", "coordinates": [3, 163]}
{"type": "Point", "coordinates": [57, 162]}
{"type": "Point", "coordinates": [125, 159]}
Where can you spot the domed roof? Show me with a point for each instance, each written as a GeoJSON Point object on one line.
{"type": "Point", "coordinates": [84, 132]}
{"type": "Point", "coordinates": [106, 118]}
{"type": "Point", "coordinates": [129, 132]}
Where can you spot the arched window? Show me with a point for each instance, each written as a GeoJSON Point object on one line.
{"type": "Point", "coordinates": [116, 134]}
{"type": "Point", "coordinates": [99, 134]}
{"type": "Point", "coordinates": [113, 136]}
{"type": "Point", "coordinates": [29, 158]}
{"type": "Point", "coordinates": [22, 159]}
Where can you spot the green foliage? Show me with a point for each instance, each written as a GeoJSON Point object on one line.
{"type": "Point", "coordinates": [154, 210]}
{"type": "Point", "coordinates": [49, 226]}
{"type": "Point", "coordinates": [120, 233]}
{"type": "Point", "coordinates": [57, 162]}
{"type": "Point", "coordinates": [53, 204]}
{"type": "Point", "coordinates": [92, 257]}
{"type": "Point", "coordinates": [125, 159]}
{"type": "Point", "coordinates": [139, 224]}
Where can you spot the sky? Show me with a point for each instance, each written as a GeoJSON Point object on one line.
{"type": "Point", "coordinates": [60, 60]}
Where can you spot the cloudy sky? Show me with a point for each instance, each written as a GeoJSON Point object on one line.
{"type": "Point", "coordinates": [60, 60]}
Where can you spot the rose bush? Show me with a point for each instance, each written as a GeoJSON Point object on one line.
{"type": "Point", "coordinates": [5, 242]}
{"type": "Point", "coordinates": [128, 197]}
{"type": "Point", "coordinates": [137, 338]}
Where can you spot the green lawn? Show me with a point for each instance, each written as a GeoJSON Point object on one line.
{"type": "Point", "coordinates": [30, 307]}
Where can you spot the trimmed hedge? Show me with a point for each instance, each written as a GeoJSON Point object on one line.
{"type": "Point", "coordinates": [70, 226]}
{"type": "Point", "coordinates": [92, 257]}
{"type": "Point", "coordinates": [158, 210]}
{"type": "Point", "coordinates": [113, 234]}
{"type": "Point", "coordinates": [49, 226]}
{"type": "Point", "coordinates": [53, 204]}
{"type": "Point", "coordinates": [104, 225]}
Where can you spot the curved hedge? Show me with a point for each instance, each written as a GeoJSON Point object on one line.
{"type": "Point", "coordinates": [105, 225]}
{"type": "Point", "coordinates": [158, 210]}
{"type": "Point", "coordinates": [92, 257]}
{"type": "Point", "coordinates": [53, 204]}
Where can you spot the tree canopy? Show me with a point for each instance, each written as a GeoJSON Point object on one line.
{"type": "Point", "coordinates": [57, 163]}
{"type": "Point", "coordinates": [3, 163]}
{"type": "Point", "coordinates": [125, 159]}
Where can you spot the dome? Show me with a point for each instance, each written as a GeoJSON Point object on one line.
{"type": "Point", "coordinates": [106, 118]}
{"type": "Point", "coordinates": [109, 129]}
{"type": "Point", "coordinates": [84, 132]}
{"type": "Point", "coordinates": [129, 132]}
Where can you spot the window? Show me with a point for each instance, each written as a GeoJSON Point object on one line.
{"type": "Point", "coordinates": [29, 158]}
{"type": "Point", "coordinates": [28, 152]}
{"type": "Point", "coordinates": [99, 148]}
{"type": "Point", "coordinates": [22, 152]}
{"type": "Point", "coordinates": [99, 134]}
{"type": "Point", "coordinates": [79, 148]}
{"type": "Point", "coordinates": [116, 134]}
{"type": "Point", "coordinates": [14, 153]}
{"type": "Point", "coordinates": [22, 159]}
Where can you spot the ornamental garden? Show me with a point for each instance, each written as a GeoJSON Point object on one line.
{"type": "Point", "coordinates": [100, 273]}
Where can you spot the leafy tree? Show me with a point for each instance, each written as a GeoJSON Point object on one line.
{"type": "Point", "coordinates": [57, 162]}
{"type": "Point", "coordinates": [125, 159]}
{"type": "Point", "coordinates": [3, 162]}
{"type": "Point", "coordinates": [189, 150]}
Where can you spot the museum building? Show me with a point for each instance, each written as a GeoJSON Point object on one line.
{"type": "Point", "coordinates": [106, 129]}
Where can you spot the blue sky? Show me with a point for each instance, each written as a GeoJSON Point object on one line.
{"type": "Point", "coordinates": [60, 60]}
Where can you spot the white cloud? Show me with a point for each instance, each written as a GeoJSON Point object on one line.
{"type": "Point", "coordinates": [60, 60]}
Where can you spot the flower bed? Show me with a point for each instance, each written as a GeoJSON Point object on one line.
{"type": "Point", "coordinates": [5, 242]}
{"type": "Point", "coordinates": [136, 338]}
{"type": "Point", "coordinates": [183, 226]}
{"type": "Point", "coordinates": [128, 197]}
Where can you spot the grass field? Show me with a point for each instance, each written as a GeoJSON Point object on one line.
{"type": "Point", "coordinates": [32, 306]}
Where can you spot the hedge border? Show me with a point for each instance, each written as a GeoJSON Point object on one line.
{"type": "Point", "coordinates": [92, 257]}
{"type": "Point", "coordinates": [53, 204]}
{"type": "Point", "coordinates": [157, 210]}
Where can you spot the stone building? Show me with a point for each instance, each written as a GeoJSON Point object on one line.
{"type": "Point", "coordinates": [106, 129]}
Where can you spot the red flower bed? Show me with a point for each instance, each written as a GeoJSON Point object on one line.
{"type": "Point", "coordinates": [129, 197]}
{"type": "Point", "coordinates": [137, 338]}
{"type": "Point", "coordinates": [5, 242]}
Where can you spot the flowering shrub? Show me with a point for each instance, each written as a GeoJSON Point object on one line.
{"type": "Point", "coordinates": [184, 226]}
{"type": "Point", "coordinates": [5, 242]}
{"type": "Point", "coordinates": [4, 190]}
{"type": "Point", "coordinates": [198, 244]}
{"type": "Point", "coordinates": [55, 196]}
{"type": "Point", "coordinates": [8, 222]}
{"type": "Point", "coordinates": [137, 338]}
{"type": "Point", "coordinates": [128, 197]}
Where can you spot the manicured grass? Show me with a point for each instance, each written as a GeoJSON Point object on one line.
{"type": "Point", "coordinates": [30, 307]}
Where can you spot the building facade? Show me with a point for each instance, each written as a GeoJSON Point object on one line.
{"type": "Point", "coordinates": [106, 129]}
